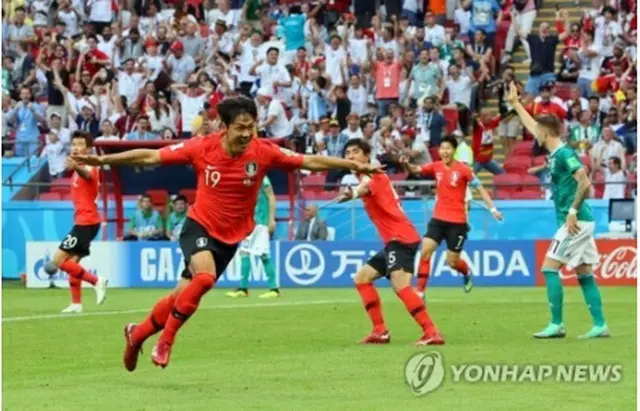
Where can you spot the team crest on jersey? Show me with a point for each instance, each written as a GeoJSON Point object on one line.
{"type": "Point", "coordinates": [202, 242]}
{"type": "Point", "coordinates": [251, 169]}
{"type": "Point", "coordinates": [247, 182]}
{"type": "Point", "coordinates": [455, 176]}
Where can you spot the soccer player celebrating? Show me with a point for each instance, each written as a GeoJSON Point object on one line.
{"type": "Point", "coordinates": [258, 243]}
{"type": "Point", "coordinates": [573, 243]}
{"type": "Point", "coordinates": [397, 258]}
{"type": "Point", "coordinates": [230, 166]}
{"type": "Point", "coordinates": [75, 246]}
{"type": "Point", "coordinates": [450, 220]}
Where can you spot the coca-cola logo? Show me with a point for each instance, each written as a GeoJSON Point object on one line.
{"type": "Point", "coordinates": [618, 264]}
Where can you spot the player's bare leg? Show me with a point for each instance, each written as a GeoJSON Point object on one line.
{"type": "Point", "coordinates": [454, 261]}
{"type": "Point", "coordinates": [424, 267]}
{"type": "Point", "coordinates": [555, 296]}
{"type": "Point", "coordinates": [364, 284]}
{"type": "Point", "coordinates": [136, 334]}
{"type": "Point", "coordinates": [401, 283]}
{"type": "Point", "coordinates": [187, 301]}
{"type": "Point", "coordinates": [69, 264]}
{"type": "Point", "coordinates": [593, 300]}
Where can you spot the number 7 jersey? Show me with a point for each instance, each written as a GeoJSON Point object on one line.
{"type": "Point", "coordinates": [385, 211]}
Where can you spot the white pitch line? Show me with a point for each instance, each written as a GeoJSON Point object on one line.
{"type": "Point", "coordinates": [144, 310]}
{"type": "Point", "coordinates": [463, 300]}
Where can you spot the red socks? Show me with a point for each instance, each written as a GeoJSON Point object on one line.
{"type": "Point", "coordinates": [186, 304]}
{"type": "Point", "coordinates": [424, 268]}
{"type": "Point", "coordinates": [75, 270]}
{"type": "Point", "coordinates": [75, 288]}
{"type": "Point", "coordinates": [462, 267]}
{"type": "Point", "coordinates": [371, 301]}
{"type": "Point", "coordinates": [155, 321]}
{"type": "Point", "coordinates": [416, 308]}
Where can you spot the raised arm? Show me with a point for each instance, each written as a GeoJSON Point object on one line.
{"type": "Point", "coordinates": [137, 157]}
{"type": "Point", "coordinates": [528, 121]}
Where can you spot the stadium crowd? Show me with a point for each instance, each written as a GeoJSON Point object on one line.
{"type": "Point", "coordinates": [401, 74]}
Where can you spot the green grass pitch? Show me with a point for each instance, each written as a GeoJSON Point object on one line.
{"type": "Point", "coordinates": [299, 352]}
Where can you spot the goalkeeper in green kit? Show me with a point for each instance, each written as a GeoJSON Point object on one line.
{"type": "Point", "coordinates": [257, 244]}
{"type": "Point", "coordinates": [573, 244]}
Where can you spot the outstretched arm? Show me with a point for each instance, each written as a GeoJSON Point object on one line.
{"type": "Point", "coordinates": [137, 157]}
{"type": "Point", "coordinates": [352, 193]}
{"type": "Point", "coordinates": [322, 163]}
{"type": "Point", "coordinates": [486, 198]}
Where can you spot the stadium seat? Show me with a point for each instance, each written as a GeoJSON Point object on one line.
{"type": "Point", "coordinates": [522, 148]}
{"type": "Point", "coordinates": [632, 183]}
{"type": "Point", "coordinates": [598, 184]}
{"type": "Point", "coordinates": [61, 185]}
{"type": "Point", "coordinates": [517, 164]}
{"type": "Point", "coordinates": [66, 196]}
{"type": "Point", "coordinates": [527, 195]}
{"type": "Point", "coordinates": [586, 162]}
{"type": "Point", "coordinates": [158, 197]}
{"type": "Point", "coordinates": [190, 194]}
{"type": "Point", "coordinates": [506, 185]}
{"type": "Point", "coordinates": [320, 195]}
{"type": "Point", "coordinates": [538, 160]}
{"type": "Point", "coordinates": [435, 155]}
{"type": "Point", "coordinates": [314, 182]}
{"type": "Point", "coordinates": [50, 196]}
{"type": "Point", "coordinates": [398, 177]}
{"type": "Point", "coordinates": [451, 118]}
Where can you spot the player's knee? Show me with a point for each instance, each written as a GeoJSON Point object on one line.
{"type": "Point", "coordinates": [400, 279]}
{"type": "Point", "coordinates": [452, 260]}
{"type": "Point", "coordinates": [204, 281]}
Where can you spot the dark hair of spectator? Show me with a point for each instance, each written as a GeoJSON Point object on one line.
{"type": "Point", "coordinates": [232, 107]}
{"type": "Point", "coordinates": [277, 50]}
{"type": "Point", "coordinates": [156, 107]}
{"type": "Point", "coordinates": [143, 117]}
{"type": "Point", "coordinates": [20, 8]}
{"type": "Point", "coordinates": [322, 82]}
{"type": "Point", "coordinates": [357, 142]}
{"type": "Point", "coordinates": [93, 37]}
{"type": "Point", "coordinates": [302, 48]}
{"type": "Point", "coordinates": [145, 196]}
{"type": "Point", "coordinates": [594, 98]}
{"type": "Point", "coordinates": [609, 9]}
{"type": "Point", "coordinates": [86, 136]}
{"type": "Point", "coordinates": [335, 36]}
{"type": "Point", "coordinates": [616, 161]}
{"type": "Point", "coordinates": [180, 197]}
{"type": "Point", "coordinates": [550, 122]}
{"type": "Point", "coordinates": [450, 140]}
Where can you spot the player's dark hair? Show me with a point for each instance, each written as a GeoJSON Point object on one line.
{"type": "Point", "coordinates": [86, 136]}
{"type": "Point", "coordinates": [451, 140]}
{"type": "Point", "coordinates": [180, 197]}
{"type": "Point", "coordinates": [551, 123]}
{"type": "Point", "coordinates": [232, 107]}
{"type": "Point", "coordinates": [357, 142]}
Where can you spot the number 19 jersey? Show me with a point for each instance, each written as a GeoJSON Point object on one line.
{"type": "Point", "coordinates": [385, 211]}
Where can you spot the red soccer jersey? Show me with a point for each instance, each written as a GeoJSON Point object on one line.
{"type": "Point", "coordinates": [451, 184]}
{"type": "Point", "coordinates": [483, 139]}
{"type": "Point", "coordinates": [83, 195]}
{"type": "Point", "coordinates": [227, 187]}
{"type": "Point", "coordinates": [385, 211]}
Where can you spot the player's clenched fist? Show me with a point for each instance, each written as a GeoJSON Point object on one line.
{"type": "Point", "coordinates": [411, 168]}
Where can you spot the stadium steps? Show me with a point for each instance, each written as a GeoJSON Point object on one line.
{"type": "Point", "coordinates": [546, 14]}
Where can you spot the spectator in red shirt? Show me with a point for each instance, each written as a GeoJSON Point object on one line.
{"type": "Point", "coordinates": [546, 105]}
{"type": "Point", "coordinates": [93, 60]}
{"type": "Point", "coordinates": [610, 83]}
{"type": "Point", "coordinates": [618, 56]}
{"type": "Point", "coordinates": [483, 140]}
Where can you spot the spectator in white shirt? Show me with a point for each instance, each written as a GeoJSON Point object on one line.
{"type": "Point", "coordinates": [130, 82]}
{"type": "Point", "coordinates": [272, 115]}
{"type": "Point", "coordinates": [590, 58]}
{"type": "Point", "coordinates": [63, 133]}
{"type": "Point", "coordinates": [353, 129]}
{"type": "Point", "coordinates": [70, 17]}
{"type": "Point", "coordinates": [191, 103]}
{"type": "Point", "coordinates": [336, 57]}
{"type": "Point", "coordinates": [357, 94]}
{"type": "Point", "coordinates": [249, 56]}
{"type": "Point", "coordinates": [615, 179]}
{"type": "Point", "coordinates": [271, 74]}
{"type": "Point", "coordinates": [433, 33]}
{"type": "Point", "coordinates": [108, 132]}
{"type": "Point", "coordinates": [459, 86]}
{"type": "Point", "coordinates": [54, 152]}
{"type": "Point", "coordinates": [224, 12]}
{"type": "Point", "coordinates": [179, 64]}
{"type": "Point", "coordinates": [607, 31]}
{"type": "Point", "coordinates": [161, 114]}
{"type": "Point", "coordinates": [100, 12]}
{"type": "Point", "coordinates": [606, 148]}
